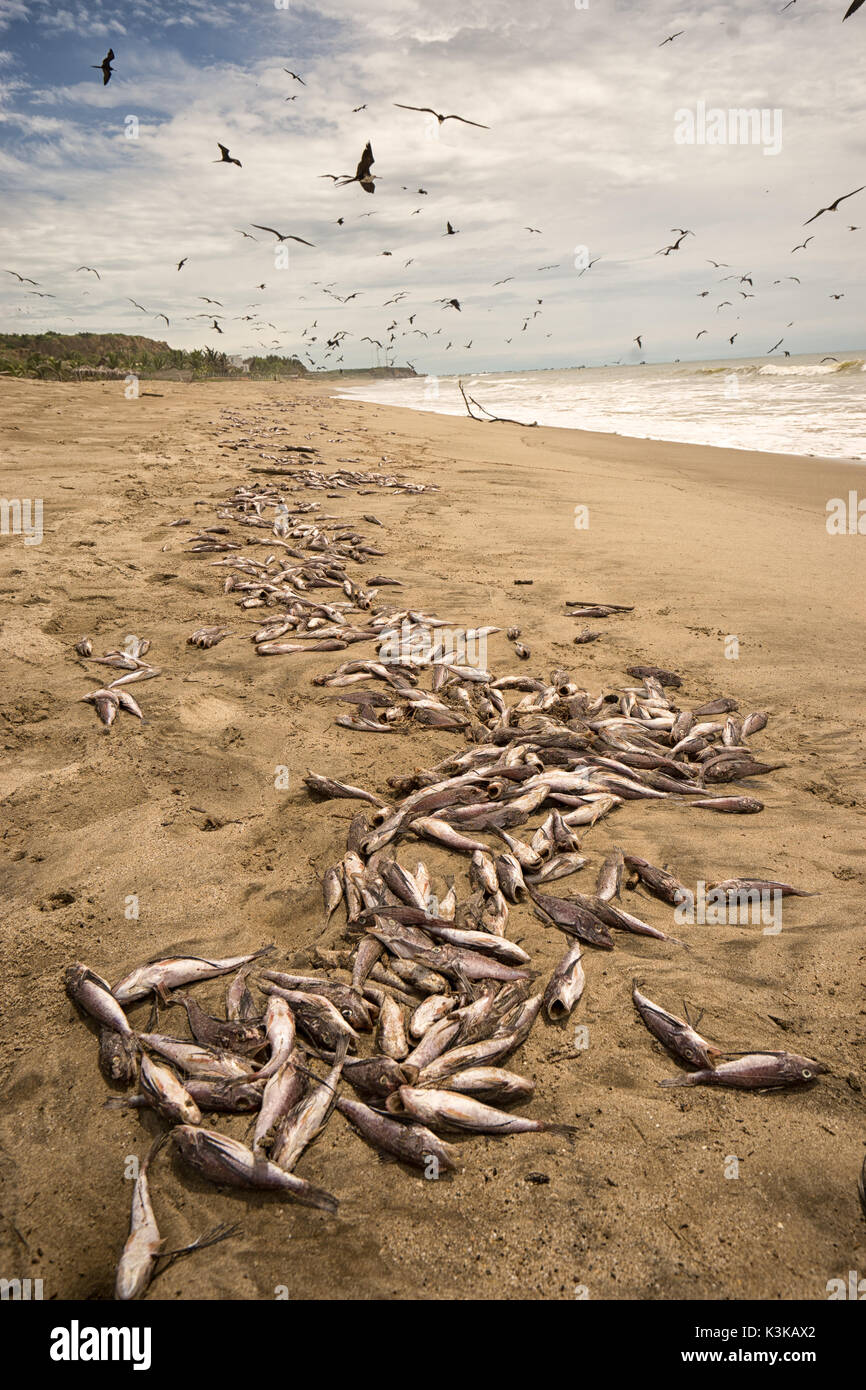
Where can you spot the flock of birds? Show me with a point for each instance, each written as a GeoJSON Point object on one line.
{"type": "Point", "coordinates": [329, 346]}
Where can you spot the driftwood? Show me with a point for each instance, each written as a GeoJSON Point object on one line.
{"type": "Point", "coordinates": [487, 417]}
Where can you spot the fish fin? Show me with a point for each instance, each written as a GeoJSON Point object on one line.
{"type": "Point", "coordinates": [675, 1081]}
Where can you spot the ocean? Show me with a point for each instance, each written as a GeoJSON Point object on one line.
{"type": "Point", "coordinates": [799, 405]}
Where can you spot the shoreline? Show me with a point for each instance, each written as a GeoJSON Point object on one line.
{"type": "Point", "coordinates": [183, 812]}
{"type": "Point", "coordinates": [615, 434]}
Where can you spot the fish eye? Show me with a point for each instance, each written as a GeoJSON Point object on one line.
{"type": "Point", "coordinates": [806, 1074]}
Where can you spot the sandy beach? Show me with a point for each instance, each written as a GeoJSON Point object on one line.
{"type": "Point", "coordinates": [183, 813]}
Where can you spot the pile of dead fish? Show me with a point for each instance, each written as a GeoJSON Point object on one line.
{"type": "Point", "coordinates": [111, 698]}
{"type": "Point", "coordinates": [428, 996]}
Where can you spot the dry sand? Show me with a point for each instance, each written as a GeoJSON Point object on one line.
{"type": "Point", "coordinates": [183, 812]}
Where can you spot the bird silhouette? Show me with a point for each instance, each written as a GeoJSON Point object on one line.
{"type": "Point", "coordinates": [295, 76]}
{"type": "Point", "coordinates": [833, 207]}
{"type": "Point", "coordinates": [105, 67]}
{"type": "Point", "coordinates": [181, 264]}
{"type": "Point", "coordinates": [90, 268]}
{"type": "Point", "coordinates": [281, 236]}
{"type": "Point", "coordinates": [362, 174]}
{"type": "Point", "coordinates": [852, 9]}
{"type": "Point", "coordinates": [670, 38]}
{"type": "Point", "coordinates": [803, 244]}
{"type": "Point", "coordinates": [225, 157]}
{"type": "Point", "coordinates": [428, 110]}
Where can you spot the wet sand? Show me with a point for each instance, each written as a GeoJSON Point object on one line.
{"type": "Point", "coordinates": [183, 813]}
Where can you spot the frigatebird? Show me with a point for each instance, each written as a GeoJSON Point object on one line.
{"type": "Point", "coordinates": [225, 157]}
{"type": "Point", "coordinates": [281, 236]}
{"type": "Point", "coordinates": [428, 110]}
{"type": "Point", "coordinates": [833, 207]}
{"type": "Point", "coordinates": [105, 67]}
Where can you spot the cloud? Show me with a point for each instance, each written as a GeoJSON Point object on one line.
{"type": "Point", "coordinates": [582, 108]}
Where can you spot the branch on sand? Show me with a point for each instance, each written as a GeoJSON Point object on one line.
{"type": "Point", "coordinates": [486, 417]}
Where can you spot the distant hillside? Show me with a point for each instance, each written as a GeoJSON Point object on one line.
{"type": "Point", "coordinates": [75, 356]}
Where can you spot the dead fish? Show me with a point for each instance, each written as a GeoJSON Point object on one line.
{"type": "Point", "coordinates": [332, 891]}
{"type": "Point", "coordinates": [510, 876]}
{"type": "Point", "coordinates": [317, 1017]}
{"type": "Point", "coordinates": [755, 1071]}
{"type": "Point", "coordinates": [168, 1096]}
{"type": "Point", "coordinates": [663, 884]}
{"type": "Point", "coordinates": [761, 885]}
{"type": "Point", "coordinates": [118, 1056]}
{"type": "Point", "coordinates": [411, 1143]}
{"type": "Point", "coordinates": [482, 872]}
{"type": "Point", "coordinates": [574, 918]}
{"type": "Point", "coordinates": [308, 1118]}
{"type": "Point", "coordinates": [560, 866]}
{"type": "Point", "coordinates": [566, 985]}
{"type": "Point", "coordinates": [657, 672]}
{"type": "Point", "coordinates": [346, 997]}
{"type": "Point", "coordinates": [493, 1085]}
{"type": "Point", "coordinates": [753, 723]}
{"type": "Point", "coordinates": [233, 1036]}
{"type": "Point", "coordinates": [84, 646]}
{"type": "Point", "coordinates": [106, 703]}
{"type": "Point", "coordinates": [450, 1110]}
{"type": "Point", "coordinates": [391, 1028]}
{"type": "Point", "coordinates": [240, 1004]}
{"type": "Point", "coordinates": [378, 1077]}
{"type": "Point", "coordinates": [160, 976]}
{"type": "Point", "coordinates": [205, 637]}
{"type": "Point", "coordinates": [523, 652]}
{"type": "Point", "coordinates": [95, 996]}
{"type": "Point", "coordinates": [727, 769]}
{"type": "Point", "coordinates": [734, 805]}
{"type": "Point", "coordinates": [221, 1159]}
{"type": "Point", "coordinates": [432, 828]}
{"type": "Point", "coordinates": [142, 1252]}
{"type": "Point", "coordinates": [609, 880]}
{"type": "Point", "coordinates": [195, 1058]}
{"type": "Point", "coordinates": [586, 636]}
{"type": "Point", "coordinates": [434, 1007]}
{"type": "Point", "coordinates": [324, 786]}
{"type": "Point", "coordinates": [230, 1098]}
{"type": "Point", "coordinates": [674, 1033]}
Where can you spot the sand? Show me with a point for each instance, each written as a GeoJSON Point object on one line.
{"type": "Point", "coordinates": [183, 812]}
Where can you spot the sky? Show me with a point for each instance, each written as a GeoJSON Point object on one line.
{"type": "Point", "coordinates": [587, 110]}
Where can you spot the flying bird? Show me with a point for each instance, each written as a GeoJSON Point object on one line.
{"type": "Point", "coordinates": [359, 108]}
{"type": "Point", "coordinates": [775, 345]}
{"type": "Point", "coordinates": [204, 297]}
{"type": "Point", "coordinates": [833, 207]}
{"type": "Point", "coordinates": [638, 340]}
{"type": "Point", "coordinates": [502, 282]}
{"type": "Point", "coordinates": [23, 279]}
{"type": "Point", "coordinates": [90, 268]}
{"type": "Point", "coordinates": [837, 296]}
{"type": "Point", "coordinates": [533, 229]}
{"type": "Point", "coordinates": [362, 174]}
{"type": "Point", "coordinates": [451, 304]}
{"type": "Point", "coordinates": [803, 245]}
{"type": "Point", "coordinates": [181, 264]}
{"type": "Point", "coordinates": [428, 110]}
{"type": "Point", "coordinates": [670, 38]}
{"type": "Point", "coordinates": [137, 305]}
{"type": "Point", "coordinates": [295, 76]}
{"type": "Point", "coordinates": [248, 235]}
{"type": "Point", "coordinates": [852, 9]}
{"type": "Point", "coordinates": [162, 316]}
{"type": "Point", "coordinates": [225, 157]}
{"type": "Point", "coordinates": [731, 339]}
{"type": "Point", "coordinates": [281, 236]}
{"type": "Point", "coordinates": [216, 326]}
{"type": "Point", "coordinates": [449, 230]}
{"type": "Point", "coordinates": [725, 302]}
{"type": "Point", "coordinates": [105, 67]}
{"type": "Point", "coordinates": [719, 265]}
{"type": "Point", "coordinates": [666, 250]}
{"type": "Point", "coordinates": [701, 334]}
